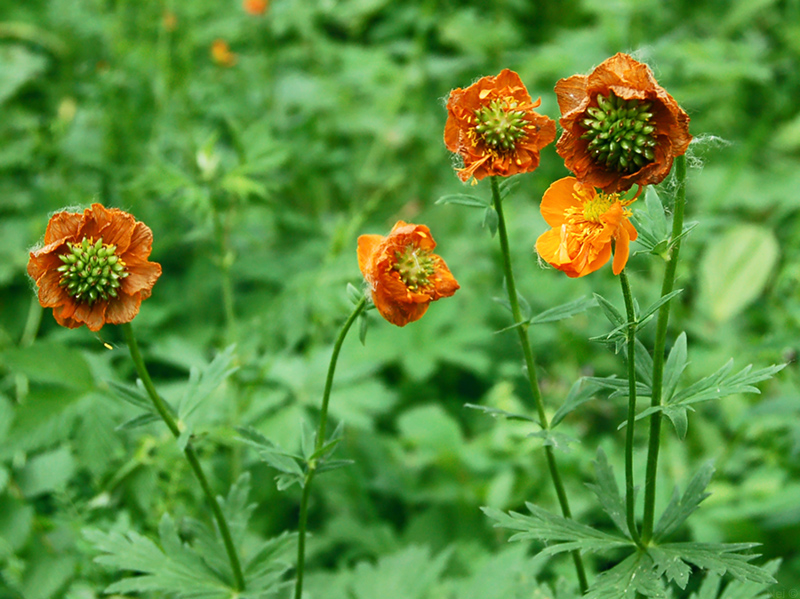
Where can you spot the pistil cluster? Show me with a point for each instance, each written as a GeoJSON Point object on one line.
{"type": "Point", "coordinates": [415, 267]}
{"type": "Point", "coordinates": [620, 133]}
{"type": "Point", "coordinates": [91, 271]}
{"type": "Point", "coordinates": [501, 124]}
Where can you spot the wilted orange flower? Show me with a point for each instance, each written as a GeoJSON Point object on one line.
{"type": "Point", "coordinates": [493, 127]}
{"type": "Point", "coordinates": [620, 127]}
{"type": "Point", "coordinates": [255, 7]}
{"type": "Point", "coordinates": [221, 54]}
{"type": "Point", "coordinates": [93, 268]}
{"type": "Point", "coordinates": [585, 223]}
{"type": "Point", "coordinates": [403, 272]}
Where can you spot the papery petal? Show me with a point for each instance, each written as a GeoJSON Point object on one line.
{"type": "Point", "coordinates": [62, 226]}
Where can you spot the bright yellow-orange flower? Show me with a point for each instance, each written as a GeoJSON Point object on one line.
{"type": "Point", "coordinates": [493, 127]}
{"type": "Point", "coordinates": [585, 223]}
{"type": "Point", "coordinates": [93, 267]}
{"type": "Point", "coordinates": [620, 127]}
{"type": "Point", "coordinates": [222, 55]}
{"type": "Point", "coordinates": [403, 273]}
{"type": "Point", "coordinates": [255, 7]}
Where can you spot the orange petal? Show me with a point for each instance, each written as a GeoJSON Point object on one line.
{"type": "Point", "coordinates": [621, 250]}
{"type": "Point", "coordinates": [62, 225]}
{"type": "Point", "coordinates": [123, 309]}
{"type": "Point", "coordinates": [367, 245]}
{"type": "Point", "coordinates": [557, 199]}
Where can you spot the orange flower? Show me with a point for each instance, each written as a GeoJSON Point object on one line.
{"type": "Point", "coordinates": [93, 268]}
{"type": "Point", "coordinates": [620, 127]}
{"type": "Point", "coordinates": [585, 223]}
{"type": "Point", "coordinates": [255, 7]}
{"type": "Point", "coordinates": [494, 129]}
{"type": "Point", "coordinates": [403, 272]}
{"type": "Point", "coordinates": [221, 54]}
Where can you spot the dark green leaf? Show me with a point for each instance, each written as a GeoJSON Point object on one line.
{"type": "Point", "coordinates": [136, 396]}
{"type": "Point", "coordinates": [642, 318]}
{"type": "Point", "coordinates": [681, 507]}
{"type": "Point", "coordinates": [607, 492]}
{"type": "Point", "coordinates": [138, 421]}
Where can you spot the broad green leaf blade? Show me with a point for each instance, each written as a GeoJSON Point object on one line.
{"type": "Point", "coordinates": [681, 507]}
{"type": "Point", "coordinates": [736, 268]}
{"type": "Point", "coordinates": [463, 199]}
{"type": "Point", "coordinates": [607, 491]}
{"type": "Point", "coordinates": [721, 558]}
{"type": "Point", "coordinates": [557, 532]}
{"type": "Point", "coordinates": [673, 368]}
{"type": "Point", "coordinates": [565, 310]}
{"type": "Point", "coordinates": [271, 453]}
{"type": "Point", "coordinates": [581, 391]}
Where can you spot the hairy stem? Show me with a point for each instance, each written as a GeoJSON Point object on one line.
{"type": "Point", "coordinates": [320, 441]}
{"type": "Point", "coordinates": [530, 364]}
{"type": "Point", "coordinates": [631, 339]}
{"type": "Point", "coordinates": [191, 456]}
{"type": "Point", "coordinates": [658, 352]}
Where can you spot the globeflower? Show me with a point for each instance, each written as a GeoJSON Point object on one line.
{"type": "Point", "coordinates": [620, 127]}
{"type": "Point", "coordinates": [403, 273]}
{"type": "Point", "coordinates": [221, 54]}
{"type": "Point", "coordinates": [584, 224]}
{"type": "Point", "coordinates": [255, 7]}
{"type": "Point", "coordinates": [493, 127]}
{"type": "Point", "coordinates": [93, 267]}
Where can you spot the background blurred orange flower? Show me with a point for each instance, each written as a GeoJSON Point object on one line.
{"type": "Point", "coordinates": [585, 224]}
{"type": "Point", "coordinates": [221, 54]}
{"type": "Point", "coordinates": [493, 127]}
{"type": "Point", "coordinates": [255, 7]}
{"type": "Point", "coordinates": [620, 127]}
{"type": "Point", "coordinates": [403, 273]}
{"type": "Point", "coordinates": [93, 267]}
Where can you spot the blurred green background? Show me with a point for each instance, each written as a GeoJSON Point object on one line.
{"type": "Point", "coordinates": [259, 172]}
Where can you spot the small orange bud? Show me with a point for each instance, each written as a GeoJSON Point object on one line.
{"type": "Point", "coordinates": [221, 54]}
{"type": "Point", "coordinates": [255, 7]}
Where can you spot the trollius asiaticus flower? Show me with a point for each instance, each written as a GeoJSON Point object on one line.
{"type": "Point", "coordinates": [493, 127]}
{"type": "Point", "coordinates": [585, 223]}
{"type": "Point", "coordinates": [620, 127]}
{"type": "Point", "coordinates": [403, 273]}
{"type": "Point", "coordinates": [93, 268]}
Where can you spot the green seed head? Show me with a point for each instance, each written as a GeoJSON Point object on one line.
{"type": "Point", "coordinates": [500, 124]}
{"type": "Point", "coordinates": [91, 270]}
{"type": "Point", "coordinates": [621, 133]}
{"type": "Point", "coordinates": [415, 267]}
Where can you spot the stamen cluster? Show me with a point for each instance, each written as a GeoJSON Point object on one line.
{"type": "Point", "coordinates": [500, 124]}
{"type": "Point", "coordinates": [415, 267]}
{"type": "Point", "coordinates": [91, 270]}
{"type": "Point", "coordinates": [621, 133]}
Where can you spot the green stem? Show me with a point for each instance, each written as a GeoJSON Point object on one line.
{"type": "Point", "coordinates": [191, 455]}
{"type": "Point", "coordinates": [320, 441]}
{"type": "Point", "coordinates": [530, 364]}
{"type": "Point", "coordinates": [631, 338]}
{"type": "Point", "coordinates": [658, 352]}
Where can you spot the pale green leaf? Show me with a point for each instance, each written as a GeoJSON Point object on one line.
{"type": "Point", "coordinates": [203, 382]}
{"type": "Point", "coordinates": [564, 311]}
{"type": "Point", "coordinates": [463, 199]}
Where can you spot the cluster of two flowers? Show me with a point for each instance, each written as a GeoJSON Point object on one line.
{"type": "Point", "coordinates": [620, 128]}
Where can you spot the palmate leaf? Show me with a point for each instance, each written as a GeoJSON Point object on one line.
{"type": "Point", "coordinates": [718, 558]}
{"type": "Point", "coordinates": [737, 589]}
{"type": "Point", "coordinates": [681, 507]}
{"type": "Point", "coordinates": [171, 568]}
{"type": "Point", "coordinates": [633, 575]}
{"type": "Point", "coordinates": [559, 533]}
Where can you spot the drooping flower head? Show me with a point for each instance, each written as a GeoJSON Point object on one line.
{"type": "Point", "coordinates": [403, 273]}
{"type": "Point", "coordinates": [493, 127]}
{"type": "Point", "coordinates": [93, 267]}
{"type": "Point", "coordinates": [585, 223]}
{"type": "Point", "coordinates": [620, 127]}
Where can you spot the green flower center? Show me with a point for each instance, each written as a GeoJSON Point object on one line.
{"type": "Point", "coordinates": [621, 133]}
{"type": "Point", "coordinates": [415, 266]}
{"type": "Point", "coordinates": [91, 271]}
{"type": "Point", "coordinates": [500, 124]}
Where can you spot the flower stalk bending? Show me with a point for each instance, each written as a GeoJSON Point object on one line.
{"type": "Point", "coordinates": [320, 441]}
{"type": "Point", "coordinates": [530, 363]}
{"type": "Point", "coordinates": [191, 456]}
{"type": "Point", "coordinates": [658, 351]}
